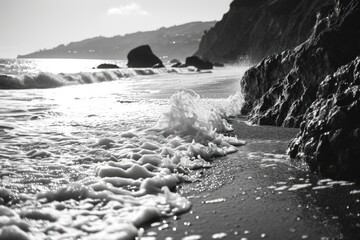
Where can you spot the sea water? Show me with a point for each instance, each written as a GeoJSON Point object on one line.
{"type": "Point", "coordinates": [95, 154]}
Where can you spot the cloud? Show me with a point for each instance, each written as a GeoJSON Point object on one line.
{"type": "Point", "coordinates": [130, 9]}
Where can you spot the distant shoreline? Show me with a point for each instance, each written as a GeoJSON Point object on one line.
{"type": "Point", "coordinates": [176, 42]}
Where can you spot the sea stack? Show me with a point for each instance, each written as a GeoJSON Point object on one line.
{"type": "Point", "coordinates": [198, 63]}
{"type": "Point", "coordinates": [143, 57]}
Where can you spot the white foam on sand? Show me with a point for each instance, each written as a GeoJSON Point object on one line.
{"type": "Point", "coordinates": [299, 186]}
{"type": "Point", "coordinates": [217, 200]}
{"type": "Point", "coordinates": [133, 180]}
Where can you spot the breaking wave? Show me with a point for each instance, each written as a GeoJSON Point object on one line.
{"type": "Point", "coordinates": [135, 177]}
{"type": "Point", "coordinates": [52, 80]}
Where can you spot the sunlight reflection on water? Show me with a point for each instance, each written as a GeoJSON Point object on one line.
{"type": "Point", "coordinates": [83, 134]}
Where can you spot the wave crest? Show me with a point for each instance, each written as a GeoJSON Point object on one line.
{"type": "Point", "coordinates": [51, 80]}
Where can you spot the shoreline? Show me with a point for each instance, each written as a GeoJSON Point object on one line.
{"type": "Point", "coordinates": [257, 193]}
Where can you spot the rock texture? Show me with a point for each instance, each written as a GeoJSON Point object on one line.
{"type": "Point", "coordinates": [329, 140]}
{"type": "Point", "coordinates": [254, 29]}
{"type": "Point", "coordinates": [282, 86]}
{"type": "Point", "coordinates": [198, 63]}
{"type": "Point", "coordinates": [143, 57]}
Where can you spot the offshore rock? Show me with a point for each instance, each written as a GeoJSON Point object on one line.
{"type": "Point", "coordinates": [254, 29]}
{"type": "Point", "coordinates": [198, 63]}
{"type": "Point", "coordinates": [174, 61]}
{"type": "Point", "coordinates": [282, 86]}
{"type": "Point", "coordinates": [329, 141]}
{"type": "Point", "coordinates": [218, 64]}
{"type": "Point", "coordinates": [143, 57]}
{"type": "Point", "coordinates": [107, 66]}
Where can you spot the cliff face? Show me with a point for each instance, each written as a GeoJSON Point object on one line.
{"type": "Point", "coordinates": [329, 140]}
{"type": "Point", "coordinates": [258, 28]}
{"type": "Point", "coordinates": [316, 87]}
{"type": "Point", "coordinates": [282, 86]}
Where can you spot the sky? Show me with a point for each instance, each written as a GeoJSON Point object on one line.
{"type": "Point", "coordinates": [30, 25]}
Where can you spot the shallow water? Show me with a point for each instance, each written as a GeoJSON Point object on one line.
{"type": "Point", "coordinates": [99, 160]}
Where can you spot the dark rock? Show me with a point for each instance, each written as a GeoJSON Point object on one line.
{"type": "Point", "coordinates": [281, 88]}
{"type": "Point", "coordinates": [143, 57]}
{"type": "Point", "coordinates": [217, 64]}
{"type": "Point", "coordinates": [329, 140]}
{"type": "Point", "coordinates": [254, 29]}
{"type": "Point", "coordinates": [107, 66]}
{"type": "Point", "coordinates": [174, 61]}
{"type": "Point", "coordinates": [198, 63]}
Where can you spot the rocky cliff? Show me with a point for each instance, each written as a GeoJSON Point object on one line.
{"type": "Point", "coordinates": [329, 141]}
{"type": "Point", "coordinates": [255, 29]}
{"type": "Point", "coordinates": [280, 89]}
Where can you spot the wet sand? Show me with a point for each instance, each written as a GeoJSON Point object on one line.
{"type": "Point", "coordinates": [257, 193]}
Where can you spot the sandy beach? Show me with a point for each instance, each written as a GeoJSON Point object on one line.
{"type": "Point", "coordinates": [257, 193]}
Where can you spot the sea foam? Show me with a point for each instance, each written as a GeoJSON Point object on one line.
{"type": "Point", "coordinates": [134, 182]}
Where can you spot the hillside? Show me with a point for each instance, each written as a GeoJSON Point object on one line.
{"type": "Point", "coordinates": [167, 43]}
{"type": "Point", "coordinates": [253, 29]}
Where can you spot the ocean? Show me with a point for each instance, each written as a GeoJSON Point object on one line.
{"type": "Point", "coordinates": [151, 154]}
{"type": "Point", "coordinates": [74, 138]}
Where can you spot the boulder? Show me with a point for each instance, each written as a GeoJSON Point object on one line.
{"type": "Point", "coordinates": [143, 57]}
{"type": "Point", "coordinates": [280, 89]}
{"type": "Point", "coordinates": [198, 63]}
{"type": "Point", "coordinates": [174, 61]}
{"type": "Point", "coordinates": [329, 140]}
{"type": "Point", "coordinates": [107, 66]}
